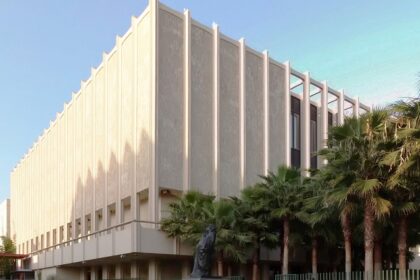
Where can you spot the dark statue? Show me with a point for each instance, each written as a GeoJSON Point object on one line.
{"type": "Point", "coordinates": [204, 253]}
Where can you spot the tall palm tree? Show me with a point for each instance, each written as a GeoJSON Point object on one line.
{"type": "Point", "coordinates": [404, 159]}
{"type": "Point", "coordinates": [319, 217]}
{"type": "Point", "coordinates": [339, 175]}
{"type": "Point", "coordinates": [283, 195]}
{"type": "Point", "coordinates": [258, 221]}
{"type": "Point", "coordinates": [232, 237]}
{"type": "Point", "coordinates": [360, 142]}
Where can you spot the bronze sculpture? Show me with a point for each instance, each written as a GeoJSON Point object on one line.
{"type": "Point", "coordinates": [203, 253]}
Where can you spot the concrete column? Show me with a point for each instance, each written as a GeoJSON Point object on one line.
{"type": "Point", "coordinates": [266, 111]}
{"type": "Point", "coordinates": [187, 100]}
{"type": "Point", "coordinates": [324, 121]}
{"type": "Point", "coordinates": [105, 208]}
{"type": "Point", "coordinates": [340, 108]}
{"type": "Point", "coordinates": [118, 204]}
{"type": "Point", "coordinates": [242, 72]}
{"type": "Point", "coordinates": [133, 199]}
{"type": "Point", "coordinates": [95, 175]}
{"type": "Point", "coordinates": [186, 269]}
{"type": "Point", "coordinates": [216, 82]}
{"type": "Point", "coordinates": [93, 274]}
{"type": "Point", "coordinates": [153, 188]}
{"type": "Point", "coordinates": [105, 272]}
{"type": "Point", "coordinates": [153, 270]}
{"type": "Point", "coordinates": [305, 126]}
{"type": "Point", "coordinates": [118, 271]}
{"type": "Point", "coordinates": [356, 107]}
{"type": "Point", "coordinates": [135, 273]}
{"type": "Point", "coordinates": [287, 113]}
{"type": "Point", "coordinates": [242, 270]}
{"type": "Point", "coordinates": [265, 271]}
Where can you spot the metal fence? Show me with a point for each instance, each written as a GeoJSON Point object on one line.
{"type": "Point", "coordinates": [224, 278]}
{"type": "Point", "coordinates": [411, 274]}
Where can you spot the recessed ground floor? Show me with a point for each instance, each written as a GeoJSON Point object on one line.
{"type": "Point", "coordinates": [144, 268]}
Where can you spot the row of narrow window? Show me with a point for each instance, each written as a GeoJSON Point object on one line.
{"type": "Point", "coordinates": [295, 133]}
{"type": "Point", "coordinates": [65, 233]}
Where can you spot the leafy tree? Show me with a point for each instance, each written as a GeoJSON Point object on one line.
{"type": "Point", "coordinates": [7, 265]}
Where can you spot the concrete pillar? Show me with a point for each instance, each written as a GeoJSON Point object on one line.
{"type": "Point", "coordinates": [187, 99]}
{"type": "Point", "coordinates": [340, 108]}
{"type": "Point", "coordinates": [287, 109]}
{"type": "Point", "coordinates": [186, 269]}
{"type": "Point", "coordinates": [242, 270]}
{"type": "Point", "coordinates": [266, 73]}
{"type": "Point", "coordinates": [118, 271]}
{"type": "Point", "coordinates": [265, 271]}
{"type": "Point", "coordinates": [135, 273]}
{"type": "Point", "coordinates": [323, 137]}
{"type": "Point", "coordinates": [153, 270]}
{"type": "Point", "coordinates": [153, 188]}
{"type": "Point", "coordinates": [242, 73]}
{"type": "Point", "coordinates": [305, 127]}
{"type": "Point", "coordinates": [356, 107]}
{"type": "Point", "coordinates": [93, 274]}
{"type": "Point", "coordinates": [105, 272]}
{"type": "Point", "coordinates": [216, 83]}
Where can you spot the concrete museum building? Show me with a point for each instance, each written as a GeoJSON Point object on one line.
{"type": "Point", "coordinates": [175, 106]}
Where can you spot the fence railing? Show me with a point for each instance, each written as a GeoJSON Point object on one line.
{"type": "Point", "coordinates": [411, 274]}
{"type": "Point", "coordinates": [224, 278]}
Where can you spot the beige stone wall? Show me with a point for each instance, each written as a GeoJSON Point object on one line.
{"type": "Point", "coordinates": [170, 101]}
{"type": "Point", "coordinates": [89, 156]}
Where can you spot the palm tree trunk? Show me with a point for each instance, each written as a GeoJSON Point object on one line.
{"type": "Point", "coordinates": [220, 263]}
{"type": "Point", "coordinates": [286, 232]}
{"type": "Point", "coordinates": [314, 257]}
{"type": "Point", "coordinates": [346, 228]}
{"type": "Point", "coordinates": [281, 250]}
{"type": "Point", "coordinates": [369, 221]}
{"type": "Point", "coordinates": [402, 247]}
{"type": "Point", "coordinates": [255, 264]}
{"type": "Point", "coordinates": [229, 269]}
{"type": "Point", "coordinates": [377, 257]}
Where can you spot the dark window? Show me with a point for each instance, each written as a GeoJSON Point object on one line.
{"type": "Point", "coordinates": [313, 137]}
{"type": "Point", "coordinates": [330, 119]}
{"type": "Point", "coordinates": [295, 132]}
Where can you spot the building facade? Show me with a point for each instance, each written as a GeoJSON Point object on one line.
{"type": "Point", "coordinates": [175, 106]}
{"type": "Point", "coordinates": [5, 218]}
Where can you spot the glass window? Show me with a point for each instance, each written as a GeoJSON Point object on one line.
{"type": "Point", "coordinates": [313, 137]}
{"type": "Point", "coordinates": [295, 131]}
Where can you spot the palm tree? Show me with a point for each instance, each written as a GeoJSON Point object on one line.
{"type": "Point", "coordinates": [257, 220]}
{"type": "Point", "coordinates": [191, 214]}
{"type": "Point", "coordinates": [360, 142]}
{"type": "Point", "coordinates": [282, 193]}
{"type": "Point", "coordinates": [187, 220]}
{"type": "Point", "coordinates": [404, 159]}
{"type": "Point", "coordinates": [232, 238]}
{"type": "Point", "coordinates": [339, 175]}
{"type": "Point", "coordinates": [318, 216]}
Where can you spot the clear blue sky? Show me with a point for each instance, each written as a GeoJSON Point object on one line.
{"type": "Point", "coordinates": [369, 48]}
